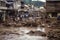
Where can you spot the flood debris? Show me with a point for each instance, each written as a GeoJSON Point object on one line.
{"type": "Point", "coordinates": [8, 32]}
{"type": "Point", "coordinates": [36, 33]}
{"type": "Point", "coordinates": [54, 35]}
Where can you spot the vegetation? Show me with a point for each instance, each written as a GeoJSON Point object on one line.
{"type": "Point", "coordinates": [36, 3]}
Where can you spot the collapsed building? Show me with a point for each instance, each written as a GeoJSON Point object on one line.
{"type": "Point", "coordinates": [14, 11]}
{"type": "Point", "coordinates": [9, 8]}
{"type": "Point", "coordinates": [4, 6]}
{"type": "Point", "coordinates": [53, 10]}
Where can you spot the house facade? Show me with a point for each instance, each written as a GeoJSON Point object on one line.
{"type": "Point", "coordinates": [53, 8]}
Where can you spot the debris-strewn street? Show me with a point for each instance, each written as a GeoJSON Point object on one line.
{"type": "Point", "coordinates": [29, 20]}
{"type": "Point", "coordinates": [21, 33]}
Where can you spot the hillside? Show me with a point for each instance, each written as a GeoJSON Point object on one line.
{"type": "Point", "coordinates": [36, 3]}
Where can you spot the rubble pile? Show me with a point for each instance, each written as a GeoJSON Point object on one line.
{"type": "Point", "coordinates": [54, 35]}
{"type": "Point", "coordinates": [8, 32]}
{"type": "Point", "coordinates": [34, 23]}
{"type": "Point", "coordinates": [36, 33]}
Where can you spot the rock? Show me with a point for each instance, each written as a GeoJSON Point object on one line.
{"type": "Point", "coordinates": [36, 33]}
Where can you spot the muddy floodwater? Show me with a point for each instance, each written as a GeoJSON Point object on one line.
{"type": "Point", "coordinates": [12, 33]}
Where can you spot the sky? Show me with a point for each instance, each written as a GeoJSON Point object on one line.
{"type": "Point", "coordinates": [40, 0]}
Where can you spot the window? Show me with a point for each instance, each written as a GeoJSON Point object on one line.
{"type": "Point", "coordinates": [1, 3]}
{"type": "Point", "coordinates": [54, 14]}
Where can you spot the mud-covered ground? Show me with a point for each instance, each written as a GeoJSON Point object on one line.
{"type": "Point", "coordinates": [22, 33]}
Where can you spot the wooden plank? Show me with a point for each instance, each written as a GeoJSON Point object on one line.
{"type": "Point", "coordinates": [53, 6]}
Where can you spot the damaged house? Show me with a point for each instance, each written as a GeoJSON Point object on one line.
{"type": "Point", "coordinates": [53, 8]}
